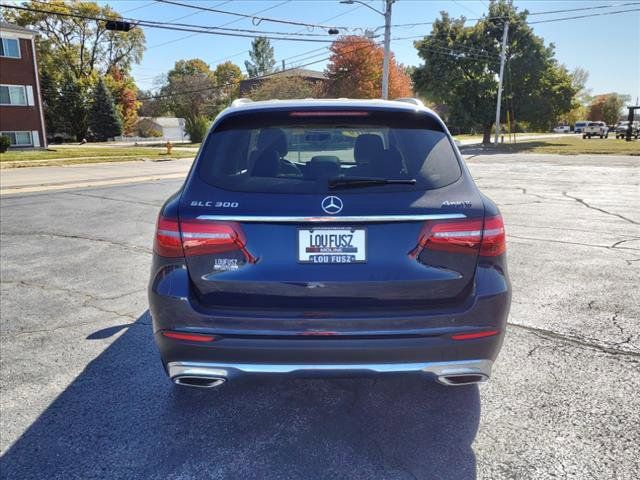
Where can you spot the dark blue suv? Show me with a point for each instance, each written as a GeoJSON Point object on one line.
{"type": "Point", "coordinates": [329, 237]}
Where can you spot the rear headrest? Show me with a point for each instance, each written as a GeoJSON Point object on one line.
{"type": "Point", "coordinates": [267, 164]}
{"type": "Point", "coordinates": [388, 165]}
{"type": "Point", "coordinates": [273, 139]}
{"type": "Point", "coordinates": [367, 147]}
{"type": "Point", "coordinates": [323, 166]}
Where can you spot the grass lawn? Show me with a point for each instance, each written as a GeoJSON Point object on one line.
{"type": "Point", "coordinates": [574, 146]}
{"type": "Point", "coordinates": [90, 154]}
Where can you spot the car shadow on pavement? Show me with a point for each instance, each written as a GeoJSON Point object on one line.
{"type": "Point", "coordinates": [121, 418]}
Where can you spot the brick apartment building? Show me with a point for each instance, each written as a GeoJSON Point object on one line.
{"type": "Point", "coordinates": [21, 115]}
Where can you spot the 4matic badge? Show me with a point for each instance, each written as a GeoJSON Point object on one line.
{"type": "Point", "coordinates": [457, 204]}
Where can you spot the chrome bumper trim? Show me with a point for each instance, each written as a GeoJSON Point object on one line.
{"type": "Point", "coordinates": [331, 219]}
{"type": "Point", "coordinates": [230, 370]}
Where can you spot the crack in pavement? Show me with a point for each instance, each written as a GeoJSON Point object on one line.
{"type": "Point", "coordinates": [70, 290]}
{"type": "Point", "coordinates": [577, 341]}
{"type": "Point", "coordinates": [582, 202]}
{"type": "Point", "coordinates": [126, 246]}
{"type": "Point", "coordinates": [157, 205]}
{"type": "Point", "coordinates": [581, 244]}
{"type": "Point", "coordinates": [635, 239]}
{"type": "Point", "coordinates": [87, 302]}
{"type": "Point", "coordinates": [525, 192]}
{"type": "Point", "coordinates": [70, 326]}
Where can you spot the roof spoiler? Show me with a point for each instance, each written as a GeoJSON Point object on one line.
{"type": "Point", "coordinates": [413, 101]}
{"type": "Point", "coordinates": [240, 101]}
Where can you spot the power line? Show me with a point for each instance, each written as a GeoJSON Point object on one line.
{"type": "Point", "coordinates": [223, 25]}
{"type": "Point", "coordinates": [472, 50]}
{"type": "Point", "coordinates": [549, 20]}
{"type": "Point", "coordinates": [148, 4]}
{"type": "Point", "coordinates": [598, 7]}
{"type": "Point", "coordinates": [294, 56]}
{"type": "Point", "coordinates": [177, 27]}
{"type": "Point", "coordinates": [464, 6]}
{"type": "Point", "coordinates": [255, 19]}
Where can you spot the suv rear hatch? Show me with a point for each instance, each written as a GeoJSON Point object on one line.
{"type": "Point", "coordinates": [291, 209]}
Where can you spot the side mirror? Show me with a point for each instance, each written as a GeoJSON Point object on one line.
{"type": "Point", "coordinates": [457, 142]}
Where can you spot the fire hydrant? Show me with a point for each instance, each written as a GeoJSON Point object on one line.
{"type": "Point", "coordinates": [169, 147]}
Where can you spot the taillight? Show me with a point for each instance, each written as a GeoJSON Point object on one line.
{"type": "Point", "coordinates": [206, 237]}
{"type": "Point", "coordinates": [494, 240]}
{"type": "Point", "coordinates": [189, 337]}
{"type": "Point", "coordinates": [195, 237]}
{"type": "Point", "coordinates": [167, 242]}
{"type": "Point", "coordinates": [456, 237]}
{"type": "Point", "coordinates": [464, 236]}
{"type": "Point", "coordinates": [474, 335]}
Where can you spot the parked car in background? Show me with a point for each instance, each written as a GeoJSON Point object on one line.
{"type": "Point", "coordinates": [580, 126]}
{"type": "Point", "coordinates": [562, 129]}
{"type": "Point", "coordinates": [596, 129]}
{"type": "Point", "coordinates": [621, 129]}
{"type": "Point", "coordinates": [329, 237]}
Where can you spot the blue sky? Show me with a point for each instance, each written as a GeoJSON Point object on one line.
{"type": "Point", "coordinates": [608, 47]}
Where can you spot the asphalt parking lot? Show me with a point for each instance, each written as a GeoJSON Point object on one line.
{"type": "Point", "coordinates": [84, 395]}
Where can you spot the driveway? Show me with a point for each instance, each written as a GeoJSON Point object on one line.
{"type": "Point", "coordinates": [84, 395]}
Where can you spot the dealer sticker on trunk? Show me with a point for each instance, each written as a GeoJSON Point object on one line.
{"type": "Point", "coordinates": [332, 245]}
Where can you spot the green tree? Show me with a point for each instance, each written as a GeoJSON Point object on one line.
{"type": "Point", "coordinates": [461, 65]}
{"type": "Point", "coordinates": [190, 93]}
{"type": "Point", "coordinates": [104, 121]}
{"type": "Point", "coordinates": [72, 108]}
{"type": "Point", "coordinates": [80, 50]}
{"type": "Point", "coordinates": [283, 87]}
{"type": "Point", "coordinates": [76, 46]}
{"type": "Point", "coordinates": [125, 95]}
{"type": "Point", "coordinates": [227, 79]}
{"type": "Point", "coordinates": [612, 107]}
{"type": "Point", "coordinates": [262, 59]}
{"type": "Point", "coordinates": [51, 103]}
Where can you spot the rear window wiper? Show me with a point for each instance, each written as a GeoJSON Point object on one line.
{"type": "Point", "coordinates": [358, 182]}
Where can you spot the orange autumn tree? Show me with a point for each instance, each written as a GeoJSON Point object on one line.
{"type": "Point", "coordinates": [355, 70]}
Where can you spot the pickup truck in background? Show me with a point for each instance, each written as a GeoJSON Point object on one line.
{"type": "Point", "coordinates": [596, 129]}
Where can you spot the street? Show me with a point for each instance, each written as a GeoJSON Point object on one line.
{"type": "Point", "coordinates": [84, 395]}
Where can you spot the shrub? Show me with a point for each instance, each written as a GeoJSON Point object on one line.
{"type": "Point", "coordinates": [196, 128]}
{"type": "Point", "coordinates": [146, 128]}
{"type": "Point", "coordinates": [5, 142]}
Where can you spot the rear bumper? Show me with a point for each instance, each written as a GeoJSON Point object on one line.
{"type": "Point", "coordinates": [447, 373]}
{"type": "Point", "coordinates": [358, 343]}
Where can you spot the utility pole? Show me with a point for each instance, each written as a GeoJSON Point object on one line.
{"type": "Point", "coordinates": [387, 39]}
{"type": "Point", "coordinates": [387, 48]}
{"type": "Point", "coordinates": [503, 55]}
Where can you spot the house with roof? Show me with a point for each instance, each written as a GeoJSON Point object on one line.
{"type": "Point", "coordinates": [167, 128]}
{"type": "Point", "coordinates": [21, 113]}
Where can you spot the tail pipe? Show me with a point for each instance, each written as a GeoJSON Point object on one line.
{"type": "Point", "coordinates": [462, 379]}
{"type": "Point", "coordinates": [199, 381]}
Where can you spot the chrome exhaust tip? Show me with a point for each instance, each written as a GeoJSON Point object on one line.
{"type": "Point", "coordinates": [199, 381]}
{"type": "Point", "coordinates": [462, 379]}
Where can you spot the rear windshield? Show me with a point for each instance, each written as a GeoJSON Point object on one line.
{"type": "Point", "coordinates": [302, 151]}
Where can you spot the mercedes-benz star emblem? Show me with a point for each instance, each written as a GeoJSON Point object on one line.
{"type": "Point", "coordinates": [332, 205]}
